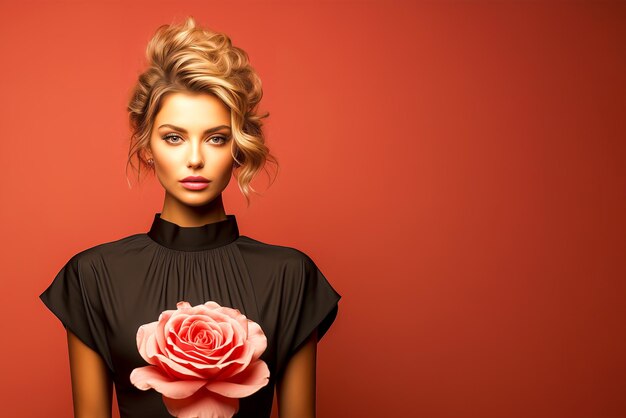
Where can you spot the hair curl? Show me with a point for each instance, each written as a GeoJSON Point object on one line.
{"type": "Point", "coordinates": [188, 58]}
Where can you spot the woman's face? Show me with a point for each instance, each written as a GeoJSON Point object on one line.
{"type": "Point", "coordinates": [191, 136]}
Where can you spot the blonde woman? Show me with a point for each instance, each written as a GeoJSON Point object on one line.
{"type": "Point", "coordinates": [194, 121]}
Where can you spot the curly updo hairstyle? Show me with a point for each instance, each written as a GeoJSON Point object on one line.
{"type": "Point", "coordinates": [188, 58]}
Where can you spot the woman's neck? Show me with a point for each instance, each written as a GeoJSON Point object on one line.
{"type": "Point", "coordinates": [184, 215]}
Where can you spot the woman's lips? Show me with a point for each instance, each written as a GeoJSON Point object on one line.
{"type": "Point", "coordinates": [194, 183]}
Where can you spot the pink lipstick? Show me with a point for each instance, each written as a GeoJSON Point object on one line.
{"type": "Point", "coordinates": [195, 182]}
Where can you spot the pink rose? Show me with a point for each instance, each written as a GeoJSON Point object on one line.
{"type": "Point", "coordinates": [203, 358]}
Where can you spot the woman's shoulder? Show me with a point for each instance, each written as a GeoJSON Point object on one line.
{"type": "Point", "coordinates": [281, 255]}
{"type": "Point", "coordinates": [107, 250]}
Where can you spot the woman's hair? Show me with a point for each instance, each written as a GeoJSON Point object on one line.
{"type": "Point", "coordinates": [188, 58]}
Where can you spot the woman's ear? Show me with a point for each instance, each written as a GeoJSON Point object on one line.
{"type": "Point", "coordinates": [147, 153]}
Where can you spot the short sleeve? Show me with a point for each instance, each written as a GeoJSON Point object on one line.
{"type": "Point", "coordinates": [309, 302]}
{"type": "Point", "coordinates": [68, 299]}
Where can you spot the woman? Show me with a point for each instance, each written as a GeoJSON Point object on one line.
{"type": "Point", "coordinates": [194, 122]}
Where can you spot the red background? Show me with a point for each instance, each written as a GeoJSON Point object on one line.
{"type": "Point", "coordinates": [455, 169]}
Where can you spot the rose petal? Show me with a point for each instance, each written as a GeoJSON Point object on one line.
{"type": "Point", "coordinates": [151, 348]}
{"type": "Point", "coordinates": [180, 343]}
{"type": "Point", "coordinates": [160, 329]}
{"type": "Point", "coordinates": [176, 369]}
{"type": "Point", "coordinates": [182, 305]}
{"type": "Point", "coordinates": [148, 377]}
{"type": "Point", "coordinates": [188, 353]}
{"type": "Point", "coordinates": [185, 353]}
{"type": "Point", "coordinates": [235, 314]}
{"type": "Point", "coordinates": [173, 339]}
{"type": "Point", "coordinates": [238, 361]}
{"type": "Point", "coordinates": [257, 338]}
{"type": "Point", "coordinates": [143, 336]}
{"type": "Point", "coordinates": [195, 323]}
{"type": "Point", "coordinates": [194, 358]}
{"type": "Point", "coordinates": [191, 363]}
{"type": "Point", "coordinates": [255, 346]}
{"type": "Point", "coordinates": [243, 384]}
{"type": "Point", "coordinates": [211, 304]}
{"type": "Point", "coordinates": [202, 404]}
{"type": "Point", "coordinates": [236, 352]}
{"type": "Point", "coordinates": [217, 316]}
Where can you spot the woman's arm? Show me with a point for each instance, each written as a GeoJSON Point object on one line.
{"type": "Point", "coordinates": [92, 388]}
{"type": "Point", "coordinates": [296, 387]}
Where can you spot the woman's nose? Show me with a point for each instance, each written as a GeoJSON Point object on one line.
{"type": "Point", "coordinates": [195, 157]}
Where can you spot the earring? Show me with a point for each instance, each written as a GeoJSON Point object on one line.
{"type": "Point", "coordinates": [150, 161]}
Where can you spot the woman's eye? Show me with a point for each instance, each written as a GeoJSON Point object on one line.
{"type": "Point", "coordinates": [221, 140]}
{"type": "Point", "coordinates": [170, 138]}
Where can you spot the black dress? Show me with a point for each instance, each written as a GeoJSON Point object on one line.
{"type": "Point", "coordinates": [104, 293]}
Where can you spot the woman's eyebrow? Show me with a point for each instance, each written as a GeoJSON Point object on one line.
{"type": "Point", "coordinates": [208, 131]}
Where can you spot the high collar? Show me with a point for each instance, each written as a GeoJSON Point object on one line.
{"type": "Point", "coordinates": [194, 238]}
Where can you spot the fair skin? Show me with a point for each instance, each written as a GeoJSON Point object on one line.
{"type": "Point", "coordinates": [178, 154]}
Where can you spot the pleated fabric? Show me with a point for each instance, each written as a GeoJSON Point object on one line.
{"type": "Point", "coordinates": [105, 293]}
